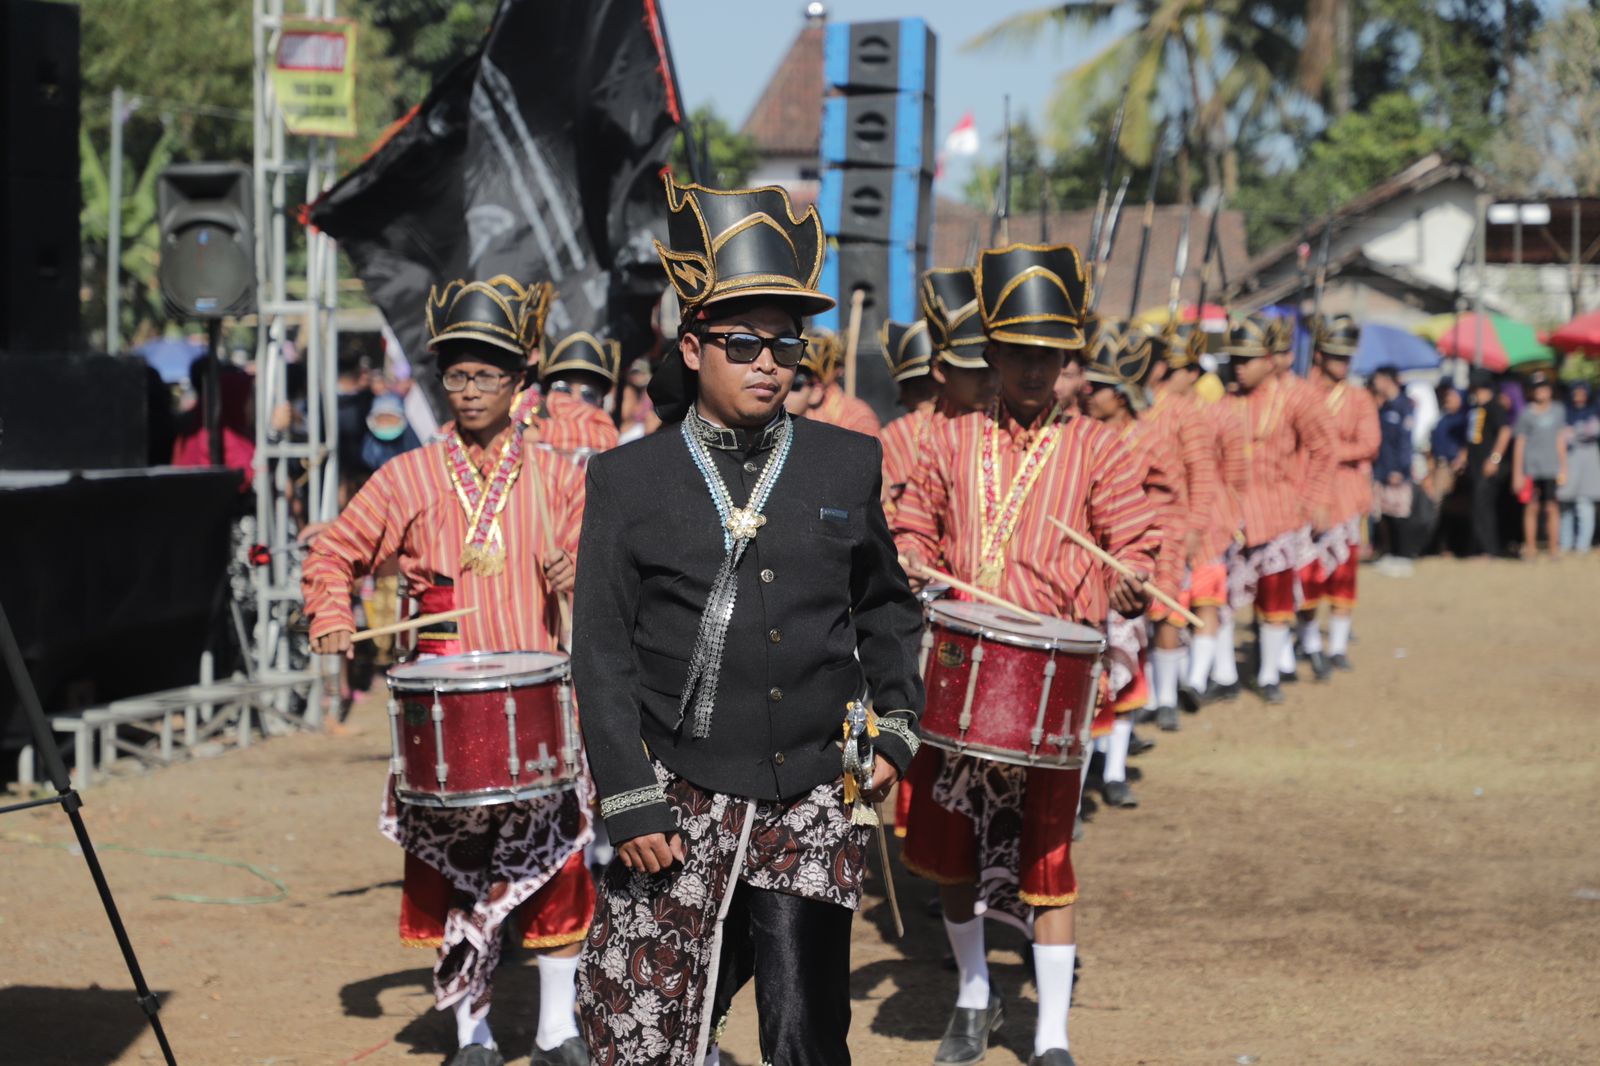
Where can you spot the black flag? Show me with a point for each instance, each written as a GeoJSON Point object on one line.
{"type": "Point", "coordinates": [538, 157]}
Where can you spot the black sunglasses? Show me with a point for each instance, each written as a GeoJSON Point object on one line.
{"type": "Point", "coordinates": [747, 347]}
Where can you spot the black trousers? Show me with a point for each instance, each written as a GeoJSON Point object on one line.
{"type": "Point", "coordinates": [1486, 514]}
{"type": "Point", "coordinates": [798, 952]}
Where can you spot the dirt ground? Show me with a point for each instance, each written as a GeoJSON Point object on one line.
{"type": "Point", "coordinates": [1399, 867]}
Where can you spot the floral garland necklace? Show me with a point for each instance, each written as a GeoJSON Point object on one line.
{"type": "Point", "coordinates": [482, 499]}
{"type": "Point", "coordinates": [998, 518]}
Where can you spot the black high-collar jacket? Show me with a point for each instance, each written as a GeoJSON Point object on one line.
{"type": "Point", "coordinates": [819, 586]}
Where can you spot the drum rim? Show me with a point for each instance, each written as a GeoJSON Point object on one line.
{"type": "Point", "coordinates": [561, 671]}
{"type": "Point", "coordinates": [1005, 755]}
{"type": "Point", "coordinates": [483, 797]}
{"type": "Point", "coordinates": [1002, 636]}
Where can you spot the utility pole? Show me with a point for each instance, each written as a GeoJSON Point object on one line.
{"type": "Point", "coordinates": [114, 231]}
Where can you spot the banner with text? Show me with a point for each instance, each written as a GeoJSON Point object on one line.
{"type": "Point", "coordinates": [314, 76]}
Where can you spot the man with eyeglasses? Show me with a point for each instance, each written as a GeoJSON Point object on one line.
{"type": "Point", "coordinates": [745, 654]}
{"type": "Point", "coordinates": [463, 516]}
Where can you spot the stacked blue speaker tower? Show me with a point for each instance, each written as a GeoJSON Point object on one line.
{"type": "Point", "coordinates": [876, 197]}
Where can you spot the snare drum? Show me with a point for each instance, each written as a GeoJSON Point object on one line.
{"type": "Point", "coordinates": [1003, 687]}
{"type": "Point", "coordinates": [481, 728]}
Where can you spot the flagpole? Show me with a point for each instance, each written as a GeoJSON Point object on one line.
{"type": "Point", "coordinates": [658, 23]}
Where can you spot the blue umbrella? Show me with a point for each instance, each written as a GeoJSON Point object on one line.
{"type": "Point", "coordinates": [170, 356]}
{"type": "Point", "coordinates": [1389, 346]}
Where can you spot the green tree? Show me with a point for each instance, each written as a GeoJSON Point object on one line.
{"type": "Point", "coordinates": [141, 311]}
{"type": "Point", "coordinates": [431, 36]}
{"type": "Point", "coordinates": [1550, 141]}
{"type": "Point", "coordinates": [726, 156]}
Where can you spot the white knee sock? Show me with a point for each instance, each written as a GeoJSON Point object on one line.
{"type": "Point", "coordinates": [1168, 662]}
{"type": "Point", "coordinates": [1226, 668]}
{"type": "Point", "coordinates": [1311, 636]}
{"type": "Point", "coordinates": [1338, 634]}
{"type": "Point", "coordinates": [1202, 653]}
{"type": "Point", "coordinates": [558, 1001]}
{"type": "Point", "coordinates": [1150, 703]}
{"type": "Point", "coordinates": [470, 1030]}
{"type": "Point", "coordinates": [1052, 969]}
{"type": "Point", "coordinates": [1286, 657]}
{"type": "Point", "coordinates": [1274, 636]}
{"type": "Point", "coordinates": [1117, 748]}
{"type": "Point", "coordinates": [966, 938]}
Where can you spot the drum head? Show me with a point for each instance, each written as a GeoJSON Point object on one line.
{"type": "Point", "coordinates": [1008, 627]}
{"type": "Point", "coordinates": [479, 671]}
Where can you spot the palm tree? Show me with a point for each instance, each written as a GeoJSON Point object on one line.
{"type": "Point", "coordinates": [1179, 60]}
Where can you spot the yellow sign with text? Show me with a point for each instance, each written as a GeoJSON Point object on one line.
{"type": "Point", "coordinates": [314, 77]}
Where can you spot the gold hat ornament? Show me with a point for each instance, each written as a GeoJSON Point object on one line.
{"type": "Point", "coordinates": [1338, 336]}
{"type": "Point", "coordinates": [907, 349]}
{"type": "Point", "coordinates": [583, 351]}
{"type": "Point", "coordinates": [950, 309]}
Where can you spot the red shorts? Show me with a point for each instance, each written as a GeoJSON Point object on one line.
{"type": "Point", "coordinates": [1340, 587]}
{"type": "Point", "coordinates": [1208, 587]}
{"type": "Point", "coordinates": [1313, 585]}
{"type": "Point", "coordinates": [555, 916]}
{"type": "Point", "coordinates": [942, 845]}
{"type": "Point", "coordinates": [1275, 597]}
{"type": "Point", "coordinates": [1134, 695]}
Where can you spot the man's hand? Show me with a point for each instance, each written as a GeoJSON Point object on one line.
{"type": "Point", "coordinates": [911, 561]}
{"type": "Point", "coordinates": [653, 853]}
{"type": "Point", "coordinates": [1128, 597]}
{"type": "Point", "coordinates": [561, 572]}
{"type": "Point", "coordinates": [1490, 468]}
{"type": "Point", "coordinates": [884, 775]}
{"type": "Point", "coordinates": [1516, 484]}
{"type": "Point", "coordinates": [335, 643]}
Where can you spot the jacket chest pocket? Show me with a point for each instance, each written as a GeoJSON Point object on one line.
{"type": "Point", "coordinates": [837, 523]}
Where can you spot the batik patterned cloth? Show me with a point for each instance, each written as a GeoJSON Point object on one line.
{"type": "Point", "coordinates": [651, 964]}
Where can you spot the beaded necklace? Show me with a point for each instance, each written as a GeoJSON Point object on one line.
{"type": "Point", "coordinates": [739, 527]}
{"type": "Point", "coordinates": [482, 500]}
{"type": "Point", "coordinates": [998, 519]}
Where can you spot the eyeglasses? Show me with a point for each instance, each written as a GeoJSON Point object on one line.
{"type": "Point", "coordinates": [747, 347]}
{"type": "Point", "coordinates": [489, 382]}
{"type": "Point", "coordinates": [583, 392]}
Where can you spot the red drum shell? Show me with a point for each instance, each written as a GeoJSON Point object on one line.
{"type": "Point", "coordinates": [1010, 683]}
{"type": "Point", "coordinates": [477, 734]}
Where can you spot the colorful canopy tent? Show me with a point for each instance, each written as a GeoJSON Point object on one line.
{"type": "Point", "coordinates": [1390, 346]}
{"type": "Point", "coordinates": [1507, 343]}
{"type": "Point", "coordinates": [1582, 335]}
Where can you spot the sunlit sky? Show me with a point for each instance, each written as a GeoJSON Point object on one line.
{"type": "Point", "coordinates": [726, 50]}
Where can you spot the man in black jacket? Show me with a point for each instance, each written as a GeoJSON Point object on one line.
{"type": "Point", "coordinates": [739, 600]}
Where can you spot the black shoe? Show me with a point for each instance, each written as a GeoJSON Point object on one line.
{"type": "Point", "coordinates": [1223, 693]}
{"type": "Point", "coordinates": [1320, 670]}
{"type": "Point", "coordinates": [1167, 719]}
{"type": "Point", "coordinates": [478, 1055]}
{"type": "Point", "coordinates": [1086, 807]}
{"type": "Point", "coordinates": [966, 1038]}
{"type": "Point", "coordinates": [1056, 1056]}
{"type": "Point", "coordinates": [1340, 662]}
{"type": "Point", "coordinates": [1118, 794]}
{"type": "Point", "coordinates": [934, 908]}
{"type": "Point", "coordinates": [1134, 774]}
{"type": "Point", "coordinates": [1144, 715]}
{"type": "Point", "coordinates": [570, 1052]}
{"type": "Point", "coordinates": [1291, 677]}
{"type": "Point", "coordinates": [1138, 745]}
{"type": "Point", "coordinates": [1270, 694]}
{"type": "Point", "coordinates": [1189, 699]}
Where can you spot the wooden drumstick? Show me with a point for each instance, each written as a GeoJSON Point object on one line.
{"type": "Point", "coordinates": [1125, 570]}
{"type": "Point", "coordinates": [974, 591]}
{"type": "Point", "coordinates": [413, 623]}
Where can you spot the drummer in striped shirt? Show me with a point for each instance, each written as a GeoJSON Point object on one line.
{"type": "Point", "coordinates": [478, 520]}
{"type": "Point", "coordinates": [981, 502]}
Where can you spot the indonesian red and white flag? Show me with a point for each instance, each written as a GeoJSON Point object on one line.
{"type": "Point", "coordinates": [963, 140]}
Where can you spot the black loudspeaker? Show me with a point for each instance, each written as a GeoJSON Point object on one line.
{"type": "Point", "coordinates": [39, 193]}
{"type": "Point", "coordinates": [72, 412]}
{"type": "Point", "coordinates": [208, 257]}
{"type": "Point", "coordinates": [878, 130]}
{"type": "Point", "coordinates": [897, 56]}
{"type": "Point", "coordinates": [877, 204]}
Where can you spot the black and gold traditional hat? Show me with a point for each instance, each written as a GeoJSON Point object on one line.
{"type": "Point", "coordinates": [733, 243]}
{"type": "Point", "coordinates": [1338, 336]}
{"type": "Point", "coordinates": [1246, 339]}
{"type": "Point", "coordinates": [1279, 333]}
{"type": "Point", "coordinates": [583, 351]}
{"type": "Point", "coordinates": [501, 312]}
{"type": "Point", "coordinates": [1112, 360]}
{"type": "Point", "coordinates": [1033, 294]}
{"type": "Point", "coordinates": [824, 352]}
{"type": "Point", "coordinates": [950, 309]}
{"type": "Point", "coordinates": [907, 349]}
